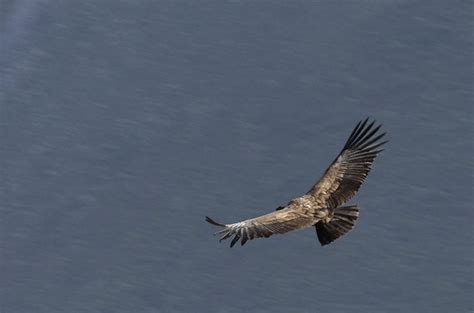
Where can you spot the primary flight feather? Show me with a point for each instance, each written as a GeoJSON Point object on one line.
{"type": "Point", "coordinates": [321, 205]}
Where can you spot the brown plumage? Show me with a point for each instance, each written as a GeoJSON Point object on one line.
{"type": "Point", "coordinates": [321, 205]}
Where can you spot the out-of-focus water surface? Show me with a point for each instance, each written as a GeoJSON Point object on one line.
{"type": "Point", "coordinates": [124, 123]}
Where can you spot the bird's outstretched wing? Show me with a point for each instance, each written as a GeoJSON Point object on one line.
{"type": "Point", "coordinates": [277, 222]}
{"type": "Point", "coordinates": [343, 178]}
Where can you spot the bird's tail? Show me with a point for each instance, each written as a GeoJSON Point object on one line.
{"type": "Point", "coordinates": [343, 221]}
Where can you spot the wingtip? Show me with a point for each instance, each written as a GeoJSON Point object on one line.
{"type": "Point", "coordinates": [363, 134]}
{"type": "Point", "coordinates": [367, 119]}
{"type": "Point", "coordinates": [234, 241]}
{"type": "Point", "coordinates": [211, 221]}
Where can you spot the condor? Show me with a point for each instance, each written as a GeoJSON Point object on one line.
{"type": "Point", "coordinates": [321, 205]}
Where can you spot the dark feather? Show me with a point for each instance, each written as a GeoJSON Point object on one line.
{"type": "Point", "coordinates": [349, 170]}
{"type": "Point", "coordinates": [234, 241]}
{"type": "Point", "coordinates": [211, 221]}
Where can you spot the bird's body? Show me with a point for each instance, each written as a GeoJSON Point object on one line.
{"type": "Point", "coordinates": [321, 205]}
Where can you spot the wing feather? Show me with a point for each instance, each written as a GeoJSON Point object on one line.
{"type": "Point", "coordinates": [277, 222]}
{"type": "Point", "coordinates": [349, 170]}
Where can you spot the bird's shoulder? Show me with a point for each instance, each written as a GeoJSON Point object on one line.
{"type": "Point", "coordinates": [305, 202]}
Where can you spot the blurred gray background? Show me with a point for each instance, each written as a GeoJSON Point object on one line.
{"type": "Point", "coordinates": [124, 123]}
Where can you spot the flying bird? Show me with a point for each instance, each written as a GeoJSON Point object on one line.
{"type": "Point", "coordinates": [321, 205]}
